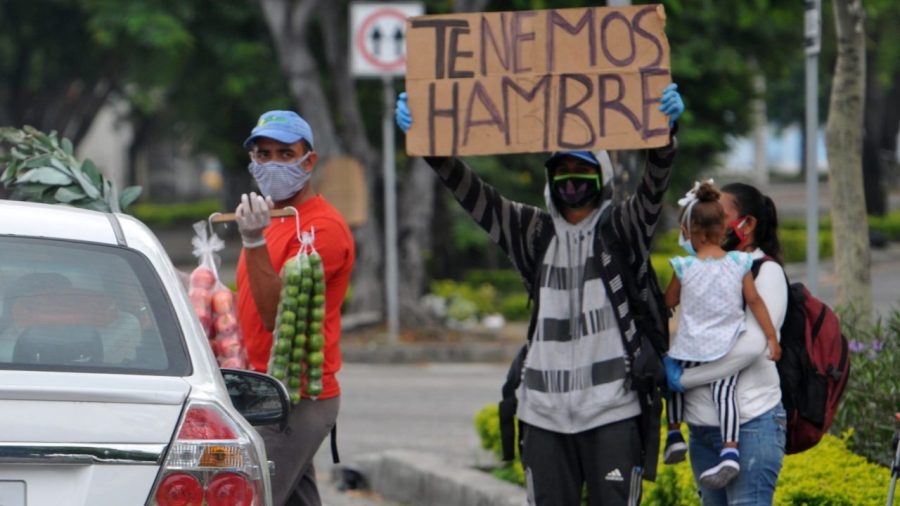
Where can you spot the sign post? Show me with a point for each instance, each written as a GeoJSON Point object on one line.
{"type": "Point", "coordinates": [812, 32]}
{"type": "Point", "coordinates": [378, 49]}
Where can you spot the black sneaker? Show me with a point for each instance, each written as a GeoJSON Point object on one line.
{"type": "Point", "coordinates": [676, 448]}
{"type": "Point", "coordinates": [722, 473]}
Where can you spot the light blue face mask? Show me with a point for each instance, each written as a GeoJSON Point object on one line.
{"type": "Point", "coordinates": [686, 244]}
{"type": "Point", "coordinates": [278, 180]}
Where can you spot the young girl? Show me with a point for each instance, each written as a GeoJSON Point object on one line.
{"type": "Point", "coordinates": [712, 286]}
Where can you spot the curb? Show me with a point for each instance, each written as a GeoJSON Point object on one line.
{"type": "Point", "coordinates": [419, 478]}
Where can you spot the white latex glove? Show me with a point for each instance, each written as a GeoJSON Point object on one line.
{"type": "Point", "coordinates": [252, 217]}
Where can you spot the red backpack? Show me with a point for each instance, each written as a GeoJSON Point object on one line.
{"type": "Point", "coordinates": [814, 365]}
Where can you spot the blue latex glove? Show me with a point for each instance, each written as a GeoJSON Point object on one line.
{"type": "Point", "coordinates": [673, 374]}
{"type": "Point", "coordinates": [671, 104]}
{"type": "Point", "coordinates": [401, 113]}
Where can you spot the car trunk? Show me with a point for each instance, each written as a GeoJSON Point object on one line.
{"type": "Point", "coordinates": [84, 439]}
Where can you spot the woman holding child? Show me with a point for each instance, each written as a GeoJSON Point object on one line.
{"type": "Point", "coordinates": [751, 225]}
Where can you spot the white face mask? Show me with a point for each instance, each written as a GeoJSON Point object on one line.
{"type": "Point", "coordinates": [278, 180]}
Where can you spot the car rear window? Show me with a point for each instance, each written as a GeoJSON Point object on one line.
{"type": "Point", "coordinates": [72, 306]}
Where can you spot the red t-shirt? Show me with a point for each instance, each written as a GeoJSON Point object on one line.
{"type": "Point", "coordinates": [335, 245]}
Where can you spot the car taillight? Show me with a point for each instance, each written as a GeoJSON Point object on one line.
{"type": "Point", "coordinates": [229, 489]}
{"type": "Point", "coordinates": [179, 489]}
{"type": "Point", "coordinates": [212, 458]}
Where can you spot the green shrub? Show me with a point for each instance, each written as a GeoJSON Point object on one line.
{"type": "Point", "coordinates": [514, 307]}
{"type": "Point", "coordinates": [480, 296]}
{"type": "Point", "coordinates": [182, 212]}
{"type": "Point", "coordinates": [487, 424]}
{"type": "Point", "coordinates": [505, 281]}
{"type": "Point", "coordinates": [483, 297]}
{"type": "Point", "coordinates": [888, 224]}
{"type": "Point", "coordinates": [828, 474]}
{"type": "Point", "coordinates": [663, 269]}
{"type": "Point", "coordinates": [793, 244]}
{"type": "Point", "coordinates": [872, 394]}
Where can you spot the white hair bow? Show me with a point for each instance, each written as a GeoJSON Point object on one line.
{"type": "Point", "coordinates": [691, 196]}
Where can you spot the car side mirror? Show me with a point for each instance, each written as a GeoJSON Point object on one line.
{"type": "Point", "coordinates": [259, 398]}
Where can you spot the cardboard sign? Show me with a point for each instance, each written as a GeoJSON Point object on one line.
{"type": "Point", "coordinates": [342, 181]}
{"type": "Point", "coordinates": [535, 81]}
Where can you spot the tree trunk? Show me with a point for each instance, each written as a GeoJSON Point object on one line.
{"type": "Point", "coordinates": [844, 138]}
{"type": "Point", "coordinates": [417, 195]}
{"type": "Point", "coordinates": [873, 163]}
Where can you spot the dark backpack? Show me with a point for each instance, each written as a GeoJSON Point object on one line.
{"type": "Point", "coordinates": [646, 375]}
{"type": "Point", "coordinates": [814, 365]}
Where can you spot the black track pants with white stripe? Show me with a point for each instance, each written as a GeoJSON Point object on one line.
{"type": "Point", "coordinates": [557, 466]}
{"type": "Point", "coordinates": [724, 393]}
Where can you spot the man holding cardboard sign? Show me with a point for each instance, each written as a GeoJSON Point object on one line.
{"type": "Point", "coordinates": [586, 418]}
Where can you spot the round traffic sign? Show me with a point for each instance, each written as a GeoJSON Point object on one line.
{"type": "Point", "coordinates": [381, 37]}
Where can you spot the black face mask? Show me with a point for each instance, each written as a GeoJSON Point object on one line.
{"type": "Point", "coordinates": [576, 190]}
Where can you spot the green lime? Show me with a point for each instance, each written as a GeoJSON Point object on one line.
{"type": "Point", "coordinates": [315, 327]}
{"type": "Point", "coordinates": [319, 289]}
{"type": "Point", "coordinates": [298, 354]}
{"type": "Point", "coordinates": [294, 382]}
{"type": "Point", "coordinates": [291, 290]}
{"type": "Point", "coordinates": [318, 274]}
{"type": "Point", "coordinates": [283, 346]}
{"type": "Point", "coordinates": [315, 358]}
{"type": "Point", "coordinates": [300, 341]}
{"type": "Point", "coordinates": [289, 303]}
{"type": "Point", "coordinates": [288, 317]}
{"type": "Point", "coordinates": [280, 360]}
{"type": "Point", "coordinates": [295, 369]}
{"type": "Point", "coordinates": [318, 300]}
{"type": "Point", "coordinates": [317, 314]}
{"type": "Point", "coordinates": [286, 330]}
{"type": "Point", "coordinates": [316, 341]}
{"type": "Point", "coordinates": [303, 299]}
{"type": "Point", "coordinates": [306, 284]}
{"type": "Point", "coordinates": [314, 373]}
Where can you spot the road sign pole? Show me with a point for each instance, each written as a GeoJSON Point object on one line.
{"type": "Point", "coordinates": [812, 21]}
{"type": "Point", "coordinates": [390, 211]}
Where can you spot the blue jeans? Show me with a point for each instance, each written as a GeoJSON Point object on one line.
{"type": "Point", "coordinates": [762, 453]}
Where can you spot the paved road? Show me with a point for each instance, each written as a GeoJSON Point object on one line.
{"type": "Point", "coordinates": [428, 408]}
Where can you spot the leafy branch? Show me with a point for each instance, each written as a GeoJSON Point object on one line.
{"type": "Point", "coordinates": [40, 167]}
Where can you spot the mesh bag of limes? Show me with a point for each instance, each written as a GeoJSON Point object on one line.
{"type": "Point", "coordinates": [298, 341]}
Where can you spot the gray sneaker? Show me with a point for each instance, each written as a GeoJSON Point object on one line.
{"type": "Point", "coordinates": [676, 448]}
{"type": "Point", "coordinates": [721, 474]}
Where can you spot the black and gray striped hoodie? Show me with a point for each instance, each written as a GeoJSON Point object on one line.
{"type": "Point", "coordinates": [575, 371]}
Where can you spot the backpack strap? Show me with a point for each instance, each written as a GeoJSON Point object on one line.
{"type": "Point", "coordinates": [757, 264]}
{"type": "Point", "coordinates": [335, 458]}
{"type": "Point", "coordinates": [508, 403]}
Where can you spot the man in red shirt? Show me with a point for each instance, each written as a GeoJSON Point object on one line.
{"type": "Point", "coordinates": [281, 161]}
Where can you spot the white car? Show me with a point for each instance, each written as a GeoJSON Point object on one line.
{"type": "Point", "coordinates": [109, 393]}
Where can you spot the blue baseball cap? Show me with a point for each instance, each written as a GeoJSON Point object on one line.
{"type": "Point", "coordinates": [283, 126]}
{"type": "Point", "coordinates": [583, 155]}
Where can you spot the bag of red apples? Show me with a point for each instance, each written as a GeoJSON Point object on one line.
{"type": "Point", "coordinates": [214, 302]}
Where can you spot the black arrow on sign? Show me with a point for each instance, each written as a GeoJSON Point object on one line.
{"type": "Point", "coordinates": [398, 41]}
{"type": "Point", "coordinates": [376, 41]}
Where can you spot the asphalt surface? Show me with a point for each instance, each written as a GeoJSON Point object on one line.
{"type": "Point", "coordinates": [427, 408]}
